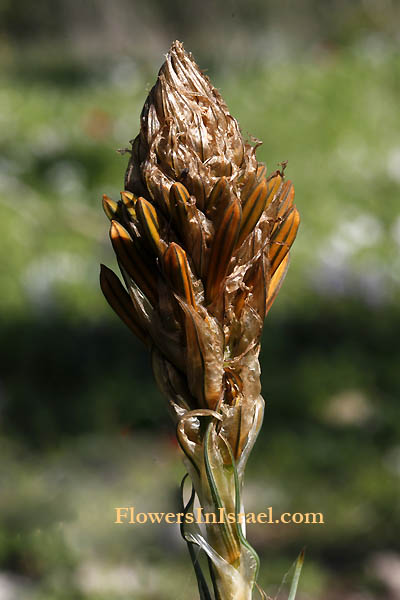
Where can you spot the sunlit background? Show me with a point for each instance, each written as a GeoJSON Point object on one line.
{"type": "Point", "coordinates": [83, 428]}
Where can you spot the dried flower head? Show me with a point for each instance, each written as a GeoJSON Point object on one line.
{"type": "Point", "coordinates": [202, 236]}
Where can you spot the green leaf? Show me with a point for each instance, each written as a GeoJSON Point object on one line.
{"type": "Point", "coordinates": [201, 581]}
{"type": "Point", "coordinates": [296, 576]}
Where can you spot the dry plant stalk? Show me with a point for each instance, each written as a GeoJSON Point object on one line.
{"type": "Point", "coordinates": [202, 237]}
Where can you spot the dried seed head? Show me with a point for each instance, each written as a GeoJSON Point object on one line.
{"type": "Point", "coordinates": [188, 135]}
{"type": "Point", "coordinates": [202, 236]}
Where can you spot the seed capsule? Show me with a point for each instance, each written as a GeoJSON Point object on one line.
{"type": "Point", "coordinates": [218, 201]}
{"type": "Point", "coordinates": [133, 261]}
{"type": "Point", "coordinates": [180, 209]}
{"type": "Point", "coordinates": [110, 207]}
{"type": "Point", "coordinates": [276, 282]}
{"type": "Point", "coordinates": [282, 238]}
{"type": "Point", "coordinates": [224, 243]}
{"type": "Point", "coordinates": [119, 300]}
{"type": "Point", "coordinates": [148, 219]}
{"type": "Point", "coordinates": [252, 211]}
{"type": "Point", "coordinates": [177, 271]}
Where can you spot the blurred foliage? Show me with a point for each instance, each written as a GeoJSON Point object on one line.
{"type": "Point", "coordinates": [83, 427]}
{"type": "Point", "coordinates": [245, 32]}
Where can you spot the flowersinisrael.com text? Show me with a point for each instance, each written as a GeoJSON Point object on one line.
{"type": "Point", "coordinates": [128, 515]}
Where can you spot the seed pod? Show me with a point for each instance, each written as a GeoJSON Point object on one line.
{"type": "Point", "coordinates": [128, 201]}
{"type": "Point", "coordinates": [110, 207]}
{"type": "Point", "coordinates": [128, 198]}
{"type": "Point", "coordinates": [286, 197]}
{"type": "Point", "coordinates": [119, 300]}
{"type": "Point", "coordinates": [163, 198]}
{"type": "Point", "coordinates": [256, 281]}
{"type": "Point", "coordinates": [261, 172]}
{"type": "Point", "coordinates": [249, 185]}
{"type": "Point", "coordinates": [283, 237]}
{"type": "Point", "coordinates": [223, 245]}
{"type": "Point", "coordinates": [179, 205]}
{"type": "Point", "coordinates": [252, 211]}
{"type": "Point", "coordinates": [177, 271]}
{"type": "Point", "coordinates": [218, 201]}
{"type": "Point", "coordinates": [133, 261]}
{"type": "Point", "coordinates": [274, 185]}
{"type": "Point", "coordinates": [148, 219]}
{"type": "Point", "coordinates": [276, 282]}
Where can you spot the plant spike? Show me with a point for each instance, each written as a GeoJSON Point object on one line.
{"type": "Point", "coordinates": [202, 235]}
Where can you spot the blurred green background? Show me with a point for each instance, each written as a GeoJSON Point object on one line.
{"type": "Point", "coordinates": [83, 428]}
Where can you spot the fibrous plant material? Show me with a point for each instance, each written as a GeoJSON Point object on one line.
{"type": "Point", "coordinates": [202, 237]}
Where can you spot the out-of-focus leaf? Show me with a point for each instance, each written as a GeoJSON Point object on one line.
{"type": "Point", "coordinates": [296, 576]}
{"type": "Point", "coordinates": [188, 507]}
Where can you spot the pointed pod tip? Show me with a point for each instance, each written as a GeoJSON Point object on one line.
{"type": "Point", "coordinates": [172, 246]}
{"type": "Point", "coordinates": [110, 207]}
{"type": "Point", "coordinates": [178, 193]}
{"type": "Point", "coordinates": [113, 229]}
{"type": "Point", "coordinates": [106, 274]}
{"type": "Point", "coordinates": [128, 198]}
{"type": "Point", "coordinates": [118, 233]}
